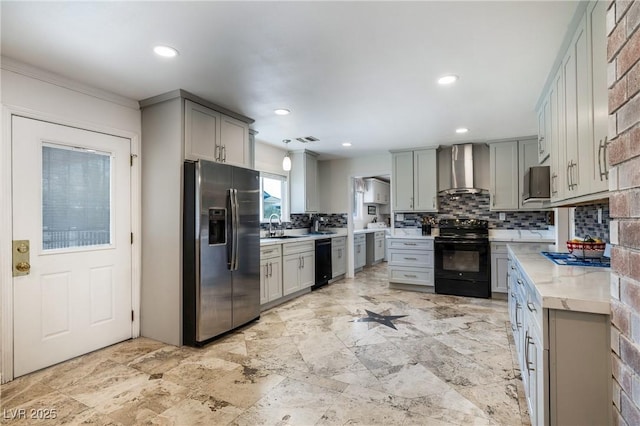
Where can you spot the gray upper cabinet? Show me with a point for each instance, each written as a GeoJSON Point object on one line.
{"type": "Point", "coordinates": [201, 132]}
{"type": "Point", "coordinates": [577, 104]}
{"type": "Point", "coordinates": [544, 131]}
{"type": "Point", "coordinates": [508, 162]}
{"type": "Point", "coordinates": [210, 135]}
{"type": "Point", "coordinates": [303, 181]}
{"type": "Point", "coordinates": [503, 163]}
{"type": "Point", "coordinates": [402, 181]}
{"type": "Point", "coordinates": [414, 180]}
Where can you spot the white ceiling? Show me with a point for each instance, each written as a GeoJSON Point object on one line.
{"type": "Point", "coordinates": [363, 72]}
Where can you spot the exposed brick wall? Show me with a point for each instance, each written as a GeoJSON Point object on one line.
{"type": "Point", "coordinates": [623, 51]}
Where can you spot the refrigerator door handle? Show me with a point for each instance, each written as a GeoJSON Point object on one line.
{"type": "Point", "coordinates": [230, 238]}
{"type": "Point", "coordinates": [234, 226]}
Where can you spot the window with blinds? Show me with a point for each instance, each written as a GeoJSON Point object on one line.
{"type": "Point", "coordinates": [76, 197]}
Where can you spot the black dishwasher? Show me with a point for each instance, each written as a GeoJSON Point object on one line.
{"type": "Point", "coordinates": [323, 262]}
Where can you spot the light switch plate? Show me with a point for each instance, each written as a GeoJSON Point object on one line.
{"type": "Point", "coordinates": [502, 215]}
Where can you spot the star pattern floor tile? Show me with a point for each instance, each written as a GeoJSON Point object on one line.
{"type": "Point", "coordinates": [380, 319]}
{"type": "Point", "coordinates": [352, 352]}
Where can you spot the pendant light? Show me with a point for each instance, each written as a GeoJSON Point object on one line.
{"type": "Point", "coordinates": [286, 161]}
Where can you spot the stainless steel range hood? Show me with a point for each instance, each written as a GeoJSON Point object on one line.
{"type": "Point", "coordinates": [462, 171]}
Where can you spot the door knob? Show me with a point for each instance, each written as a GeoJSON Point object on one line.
{"type": "Point", "coordinates": [21, 260]}
{"type": "Point", "coordinates": [23, 267]}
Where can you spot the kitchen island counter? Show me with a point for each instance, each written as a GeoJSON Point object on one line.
{"type": "Point", "coordinates": [571, 288]}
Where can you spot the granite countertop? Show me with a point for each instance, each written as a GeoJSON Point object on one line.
{"type": "Point", "coordinates": [522, 236]}
{"type": "Point", "coordinates": [571, 288]}
{"type": "Point", "coordinates": [302, 236]}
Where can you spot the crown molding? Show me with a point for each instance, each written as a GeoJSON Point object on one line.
{"type": "Point", "coordinates": [18, 67]}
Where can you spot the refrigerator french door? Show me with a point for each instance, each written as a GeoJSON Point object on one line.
{"type": "Point", "coordinates": [221, 249]}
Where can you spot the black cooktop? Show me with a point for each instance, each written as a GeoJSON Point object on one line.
{"type": "Point", "coordinates": [469, 229]}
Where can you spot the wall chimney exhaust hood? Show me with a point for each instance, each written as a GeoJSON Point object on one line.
{"type": "Point", "coordinates": [462, 171]}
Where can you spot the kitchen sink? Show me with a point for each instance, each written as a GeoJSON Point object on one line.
{"type": "Point", "coordinates": [321, 232]}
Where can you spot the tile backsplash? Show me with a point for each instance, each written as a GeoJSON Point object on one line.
{"type": "Point", "coordinates": [476, 206]}
{"type": "Point", "coordinates": [301, 221]}
{"type": "Point", "coordinates": [586, 221]}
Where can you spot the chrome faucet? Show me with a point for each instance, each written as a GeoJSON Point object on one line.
{"type": "Point", "coordinates": [271, 233]}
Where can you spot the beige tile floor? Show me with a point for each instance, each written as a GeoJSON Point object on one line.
{"type": "Point", "coordinates": [307, 362]}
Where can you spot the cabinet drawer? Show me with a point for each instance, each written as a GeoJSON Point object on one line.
{"type": "Point", "coordinates": [379, 235]}
{"type": "Point", "coordinates": [302, 246]}
{"type": "Point", "coordinates": [417, 258]}
{"type": "Point", "coordinates": [339, 242]}
{"type": "Point", "coordinates": [359, 238]}
{"type": "Point", "coordinates": [406, 243]}
{"type": "Point", "coordinates": [499, 248]}
{"type": "Point", "coordinates": [407, 275]}
{"type": "Point", "coordinates": [271, 251]}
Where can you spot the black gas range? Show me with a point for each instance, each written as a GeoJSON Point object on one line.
{"type": "Point", "coordinates": [462, 260]}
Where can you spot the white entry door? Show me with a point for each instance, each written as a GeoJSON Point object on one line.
{"type": "Point", "coordinates": [71, 205]}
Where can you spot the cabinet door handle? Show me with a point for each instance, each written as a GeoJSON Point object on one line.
{"type": "Point", "coordinates": [434, 202]}
{"type": "Point", "coordinates": [540, 146]}
{"type": "Point", "coordinates": [531, 307]}
{"type": "Point", "coordinates": [600, 148]}
{"type": "Point", "coordinates": [216, 153]}
{"type": "Point", "coordinates": [270, 269]}
{"type": "Point", "coordinates": [519, 281]}
{"type": "Point", "coordinates": [266, 270]}
{"type": "Point", "coordinates": [569, 176]}
{"type": "Point", "coordinates": [223, 149]}
{"type": "Point", "coordinates": [409, 244]}
{"type": "Point", "coordinates": [518, 325]}
{"type": "Point", "coordinates": [410, 258]}
{"type": "Point", "coordinates": [526, 350]}
{"type": "Point", "coordinates": [604, 157]}
{"type": "Point", "coordinates": [528, 341]}
{"type": "Point", "coordinates": [410, 276]}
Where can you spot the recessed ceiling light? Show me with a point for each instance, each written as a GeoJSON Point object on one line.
{"type": "Point", "coordinates": [448, 79]}
{"type": "Point", "coordinates": [346, 143]}
{"type": "Point", "coordinates": [165, 51]}
{"type": "Point", "coordinates": [462, 130]}
{"type": "Point", "coordinates": [282, 111]}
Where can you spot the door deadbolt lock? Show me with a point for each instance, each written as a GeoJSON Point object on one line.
{"type": "Point", "coordinates": [21, 265]}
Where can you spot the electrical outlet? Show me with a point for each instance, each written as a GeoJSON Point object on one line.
{"type": "Point", "coordinates": [599, 216]}
{"type": "Point", "coordinates": [503, 216]}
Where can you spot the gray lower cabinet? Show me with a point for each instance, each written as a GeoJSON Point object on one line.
{"type": "Point", "coordinates": [359, 251]}
{"type": "Point", "coordinates": [375, 247]}
{"type": "Point", "coordinates": [411, 261]}
{"type": "Point", "coordinates": [564, 357]}
{"type": "Point", "coordinates": [338, 256]}
{"type": "Point", "coordinates": [500, 262]}
{"type": "Point", "coordinates": [298, 266]}
{"type": "Point", "coordinates": [270, 273]}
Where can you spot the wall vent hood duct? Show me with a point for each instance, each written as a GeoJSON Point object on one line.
{"type": "Point", "coordinates": [462, 171]}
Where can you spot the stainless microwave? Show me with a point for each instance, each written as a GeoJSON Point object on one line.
{"type": "Point", "coordinates": [537, 183]}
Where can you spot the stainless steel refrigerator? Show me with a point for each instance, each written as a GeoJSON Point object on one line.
{"type": "Point", "coordinates": [221, 249]}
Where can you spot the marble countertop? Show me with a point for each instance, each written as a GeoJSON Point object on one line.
{"type": "Point", "coordinates": [302, 236]}
{"type": "Point", "coordinates": [572, 288]}
{"type": "Point", "coordinates": [368, 230]}
{"type": "Point", "coordinates": [413, 233]}
{"type": "Point", "coordinates": [522, 236]}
